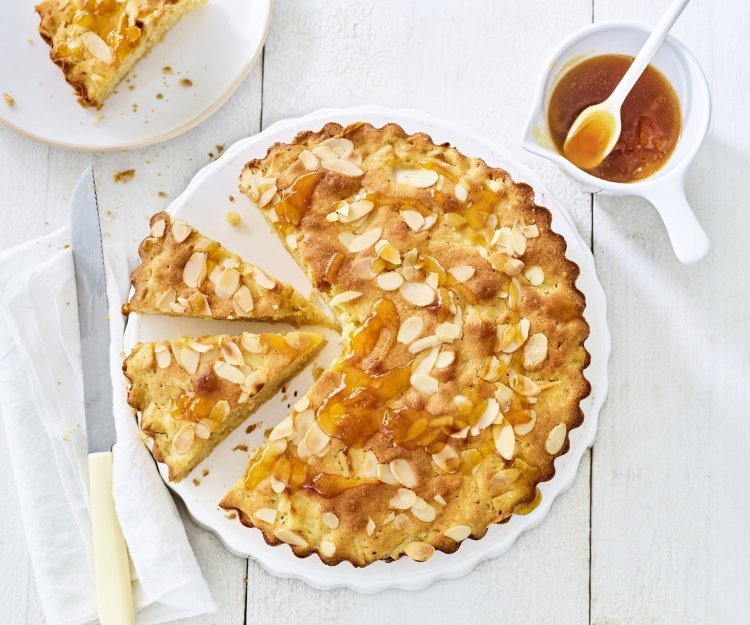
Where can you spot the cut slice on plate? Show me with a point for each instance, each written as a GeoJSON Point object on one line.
{"type": "Point", "coordinates": [97, 42]}
{"type": "Point", "coordinates": [192, 392]}
{"type": "Point", "coordinates": [183, 273]}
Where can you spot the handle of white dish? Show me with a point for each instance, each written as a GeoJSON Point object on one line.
{"type": "Point", "coordinates": [647, 52]}
{"type": "Point", "coordinates": [114, 595]}
{"type": "Point", "coordinates": [687, 236]}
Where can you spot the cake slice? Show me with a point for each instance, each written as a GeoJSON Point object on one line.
{"type": "Point", "coordinates": [192, 392]}
{"type": "Point", "coordinates": [97, 42]}
{"type": "Point", "coordinates": [183, 273]}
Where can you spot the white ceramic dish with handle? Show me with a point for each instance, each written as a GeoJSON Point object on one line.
{"type": "Point", "coordinates": [665, 189]}
{"type": "Point", "coordinates": [214, 47]}
{"type": "Point", "coordinates": [204, 204]}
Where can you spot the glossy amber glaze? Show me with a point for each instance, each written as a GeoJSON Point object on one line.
{"type": "Point", "coordinates": [651, 118]}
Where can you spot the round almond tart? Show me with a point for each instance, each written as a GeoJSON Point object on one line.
{"type": "Point", "coordinates": [462, 371]}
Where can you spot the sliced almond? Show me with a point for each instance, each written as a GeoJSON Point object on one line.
{"type": "Point", "coordinates": [228, 283]}
{"type": "Point", "coordinates": [370, 527]}
{"type": "Point", "coordinates": [345, 296]}
{"type": "Point", "coordinates": [454, 220]}
{"type": "Point", "coordinates": [534, 351]}
{"type": "Point", "coordinates": [417, 293]}
{"type": "Point", "coordinates": [200, 347]}
{"type": "Point", "coordinates": [522, 429]}
{"type": "Point", "coordinates": [523, 385]}
{"type": "Point", "coordinates": [327, 548]}
{"type": "Point", "coordinates": [340, 146]}
{"type": "Point", "coordinates": [445, 359]}
{"type": "Point", "coordinates": [232, 353]}
{"type": "Point", "coordinates": [503, 395]}
{"type": "Point", "coordinates": [356, 210]}
{"type": "Point", "coordinates": [419, 551]}
{"type": "Point", "coordinates": [385, 475]}
{"type": "Point", "coordinates": [420, 178]}
{"type": "Point", "coordinates": [505, 440]}
{"type": "Point", "coordinates": [410, 329]}
{"type": "Point", "coordinates": [403, 499]}
{"type": "Point", "coordinates": [504, 478]}
{"type": "Point", "coordinates": [512, 267]}
{"type": "Point", "coordinates": [267, 515]}
{"type": "Point", "coordinates": [448, 332]}
{"type": "Point", "coordinates": [283, 429]}
{"type": "Point", "coordinates": [180, 231]}
{"type": "Point", "coordinates": [426, 362]}
{"type": "Point", "coordinates": [220, 411]}
{"type": "Point", "coordinates": [183, 439]}
{"type": "Point", "coordinates": [487, 417]}
{"type": "Point", "coordinates": [556, 439]}
{"type": "Point", "coordinates": [424, 383]}
{"type": "Point", "coordinates": [446, 459]}
{"type": "Point", "coordinates": [461, 192]}
{"type": "Point", "coordinates": [518, 239]}
{"type": "Point", "coordinates": [163, 355]}
{"type": "Point", "coordinates": [389, 280]}
{"type": "Point", "coordinates": [464, 404]}
{"type": "Point", "coordinates": [404, 472]}
{"type": "Point", "coordinates": [302, 405]}
{"type": "Point", "coordinates": [531, 231]}
{"type": "Point", "coordinates": [340, 166]}
{"type": "Point", "coordinates": [98, 47]}
{"type": "Point", "coordinates": [194, 271]}
{"type": "Point", "coordinates": [243, 298]}
{"type": "Point", "coordinates": [309, 160]}
{"type": "Point", "coordinates": [369, 465]}
{"type": "Point", "coordinates": [330, 520]}
{"type": "Point", "coordinates": [255, 381]}
{"type": "Point", "coordinates": [251, 343]}
{"type": "Point", "coordinates": [462, 273]}
{"type": "Point", "coordinates": [189, 359]}
{"type": "Point", "coordinates": [535, 275]}
{"type": "Point", "coordinates": [458, 532]}
{"type": "Point", "coordinates": [387, 252]}
{"type": "Point", "coordinates": [426, 342]}
{"type": "Point", "coordinates": [316, 439]}
{"type": "Point", "coordinates": [413, 219]}
{"type": "Point", "coordinates": [429, 221]}
{"type": "Point", "coordinates": [278, 486]}
{"type": "Point", "coordinates": [158, 228]}
{"type": "Point", "coordinates": [228, 372]}
{"type": "Point", "coordinates": [290, 538]}
{"type": "Point", "coordinates": [365, 240]}
{"type": "Point", "coordinates": [324, 153]}
{"type": "Point", "coordinates": [440, 499]}
{"type": "Point", "coordinates": [423, 511]}
{"type": "Point", "coordinates": [263, 279]}
{"type": "Point", "coordinates": [165, 300]}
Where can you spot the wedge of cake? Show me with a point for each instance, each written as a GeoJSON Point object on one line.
{"type": "Point", "coordinates": [97, 42]}
{"type": "Point", "coordinates": [463, 367]}
{"type": "Point", "coordinates": [184, 273]}
{"type": "Point", "coordinates": [192, 392]}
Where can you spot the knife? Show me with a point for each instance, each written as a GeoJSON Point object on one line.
{"type": "Point", "coordinates": [114, 596]}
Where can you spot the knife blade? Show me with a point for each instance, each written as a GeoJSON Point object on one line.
{"type": "Point", "coordinates": [111, 566]}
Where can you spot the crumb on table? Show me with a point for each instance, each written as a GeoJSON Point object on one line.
{"type": "Point", "coordinates": [186, 82]}
{"type": "Point", "coordinates": [9, 99]}
{"type": "Point", "coordinates": [166, 69]}
{"type": "Point", "coordinates": [159, 96]}
{"type": "Point", "coordinates": [233, 219]}
{"type": "Point", "coordinates": [162, 194]}
{"type": "Point", "coordinates": [231, 198]}
{"type": "Point", "coordinates": [124, 176]}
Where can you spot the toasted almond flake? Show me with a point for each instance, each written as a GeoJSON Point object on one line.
{"type": "Point", "coordinates": [302, 405]}
{"type": "Point", "coordinates": [440, 499]}
{"type": "Point", "coordinates": [291, 240]}
{"type": "Point", "coordinates": [518, 239]}
{"type": "Point", "coordinates": [180, 231]}
{"type": "Point", "coordinates": [433, 280]}
{"type": "Point", "coordinates": [327, 548]}
{"type": "Point", "coordinates": [220, 411]}
{"type": "Point", "coordinates": [419, 551]}
{"type": "Point", "coordinates": [504, 478]}
{"type": "Point", "coordinates": [556, 439]}
{"type": "Point", "coordinates": [163, 355]}
{"type": "Point", "coordinates": [413, 219]}
{"type": "Point", "coordinates": [503, 395]}
{"type": "Point", "coordinates": [424, 383]}
{"type": "Point", "coordinates": [464, 404]}
{"type": "Point", "coordinates": [232, 353]}
{"type": "Point", "coordinates": [165, 300]}
{"type": "Point", "coordinates": [355, 210]}
{"type": "Point", "coordinates": [429, 221]}
{"type": "Point", "coordinates": [417, 293]}
{"type": "Point", "coordinates": [445, 359]}
{"type": "Point", "coordinates": [267, 515]}
{"type": "Point", "coordinates": [370, 527]}
{"type": "Point", "coordinates": [255, 381]}
{"type": "Point", "coordinates": [530, 231]}
{"type": "Point", "coordinates": [402, 522]}
{"type": "Point", "coordinates": [228, 372]}
{"type": "Point", "coordinates": [426, 342]}
{"type": "Point", "coordinates": [426, 363]}
{"type": "Point", "coordinates": [421, 179]}
{"type": "Point", "coordinates": [283, 429]}
{"type": "Point", "coordinates": [458, 532]}
{"type": "Point", "coordinates": [385, 475]}
{"type": "Point", "coordinates": [340, 166]}
{"type": "Point", "coordinates": [202, 430]}
{"type": "Point", "coordinates": [199, 347]}
{"type": "Point", "coordinates": [194, 271]}
{"type": "Point", "coordinates": [389, 280]}
{"type": "Point", "coordinates": [97, 46]}
{"type": "Point", "coordinates": [523, 385]}
{"type": "Point", "coordinates": [410, 329]}
{"type": "Point", "coordinates": [316, 439]}
{"type": "Point", "coordinates": [278, 486]}
{"type": "Point", "coordinates": [309, 160]}
{"type": "Point", "coordinates": [534, 352]}
{"type": "Point", "coordinates": [446, 459]}
{"type": "Point", "coordinates": [330, 520]}
{"type": "Point", "coordinates": [448, 332]}
{"type": "Point", "coordinates": [487, 417]}
{"type": "Point", "coordinates": [345, 296]}
{"type": "Point", "coordinates": [461, 192]}
{"type": "Point", "coordinates": [290, 538]}
{"type": "Point", "coordinates": [244, 299]}
{"type": "Point", "coordinates": [423, 511]}
{"type": "Point", "coordinates": [522, 429]}
{"type": "Point", "coordinates": [189, 359]}
{"type": "Point", "coordinates": [251, 343]}
{"type": "Point", "coordinates": [512, 267]}
{"type": "Point", "coordinates": [454, 220]}
{"type": "Point", "coordinates": [505, 440]}
{"type": "Point", "coordinates": [267, 196]}
{"type": "Point", "coordinates": [370, 465]}
{"type": "Point", "coordinates": [158, 228]}
{"type": "Point", "coordinates": [387, 252]}
{"type": "Point", "coordinates": [404, 499]}
{"type": "Point", "coordinates": [228, 283]}
{"type": "Point", "coordinates": [183, 439]}
{"type": "Point", "coordinates": [462, 273]}
{"type": "Point", "coordinates": [340, 146]}
{"type": "Point", "coordinates": [404, 473]}
{"type": "Point", "coordinates": [324, 153]}
{"type": "Point", "coordinates": [503, 239]}
{"type": "Point", "coordinates": [178, 307]}
{"type": "Point", "coordinates": [535, 275]}
{"type": "Point", "coordinates": [365, 240]}
{"type": "Point", "coordinates": [262, 278]}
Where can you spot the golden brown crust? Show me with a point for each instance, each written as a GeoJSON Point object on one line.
{"type": "Point", "coordinates": [161, 281]}
{"type": "Point", "coordinates": [189, 401]}
{"type": "Point", "coordinates": [96, 42]}
{"type": "Point", "coordinates": [409, 456]}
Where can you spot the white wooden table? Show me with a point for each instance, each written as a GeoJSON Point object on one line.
{"type": "Point", "coordinates": [656, 528]}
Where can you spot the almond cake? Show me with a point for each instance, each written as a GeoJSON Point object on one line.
{"type": "Point", "coordinates": [97, 42]}
{"type": "Point", "coordinates": [184, 273]}
{"type": "Point", "coordinates": [192, 392]}
{"type": "Point", "coordinates": [462, 371]}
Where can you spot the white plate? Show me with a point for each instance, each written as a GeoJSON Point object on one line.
{"type": "Point", "coordinates": [214, 46]}
{"type": "Point", "coordinates": [204, 204]}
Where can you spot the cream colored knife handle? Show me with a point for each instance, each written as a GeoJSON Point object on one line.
{"type": "Point", "coordinates": [114, 595]}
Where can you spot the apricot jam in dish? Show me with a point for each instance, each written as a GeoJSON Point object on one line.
{"type": "Point", "coordinates": [651, 118]}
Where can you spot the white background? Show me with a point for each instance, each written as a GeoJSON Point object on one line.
{"type": "Point", "coordinates": [656, 528]}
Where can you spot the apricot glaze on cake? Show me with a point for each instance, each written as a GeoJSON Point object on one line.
{"type": "Point", "coordinates": [184, 273]}
{"type": "Point", "coordinates": [462, 370]}
{"type": "Point", "coordinates": [97, 42]}
{"type": "Point", "coordinates": [192, 392]}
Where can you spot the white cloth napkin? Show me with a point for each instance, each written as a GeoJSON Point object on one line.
{"type": "Point", "coordinates": [45, 432]}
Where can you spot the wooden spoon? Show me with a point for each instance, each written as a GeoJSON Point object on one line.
{"type": "Point", "coordinates": [596, 130]}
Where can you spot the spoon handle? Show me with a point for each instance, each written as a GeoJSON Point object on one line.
{"type": "Point", "coordinates": [647, 52]}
